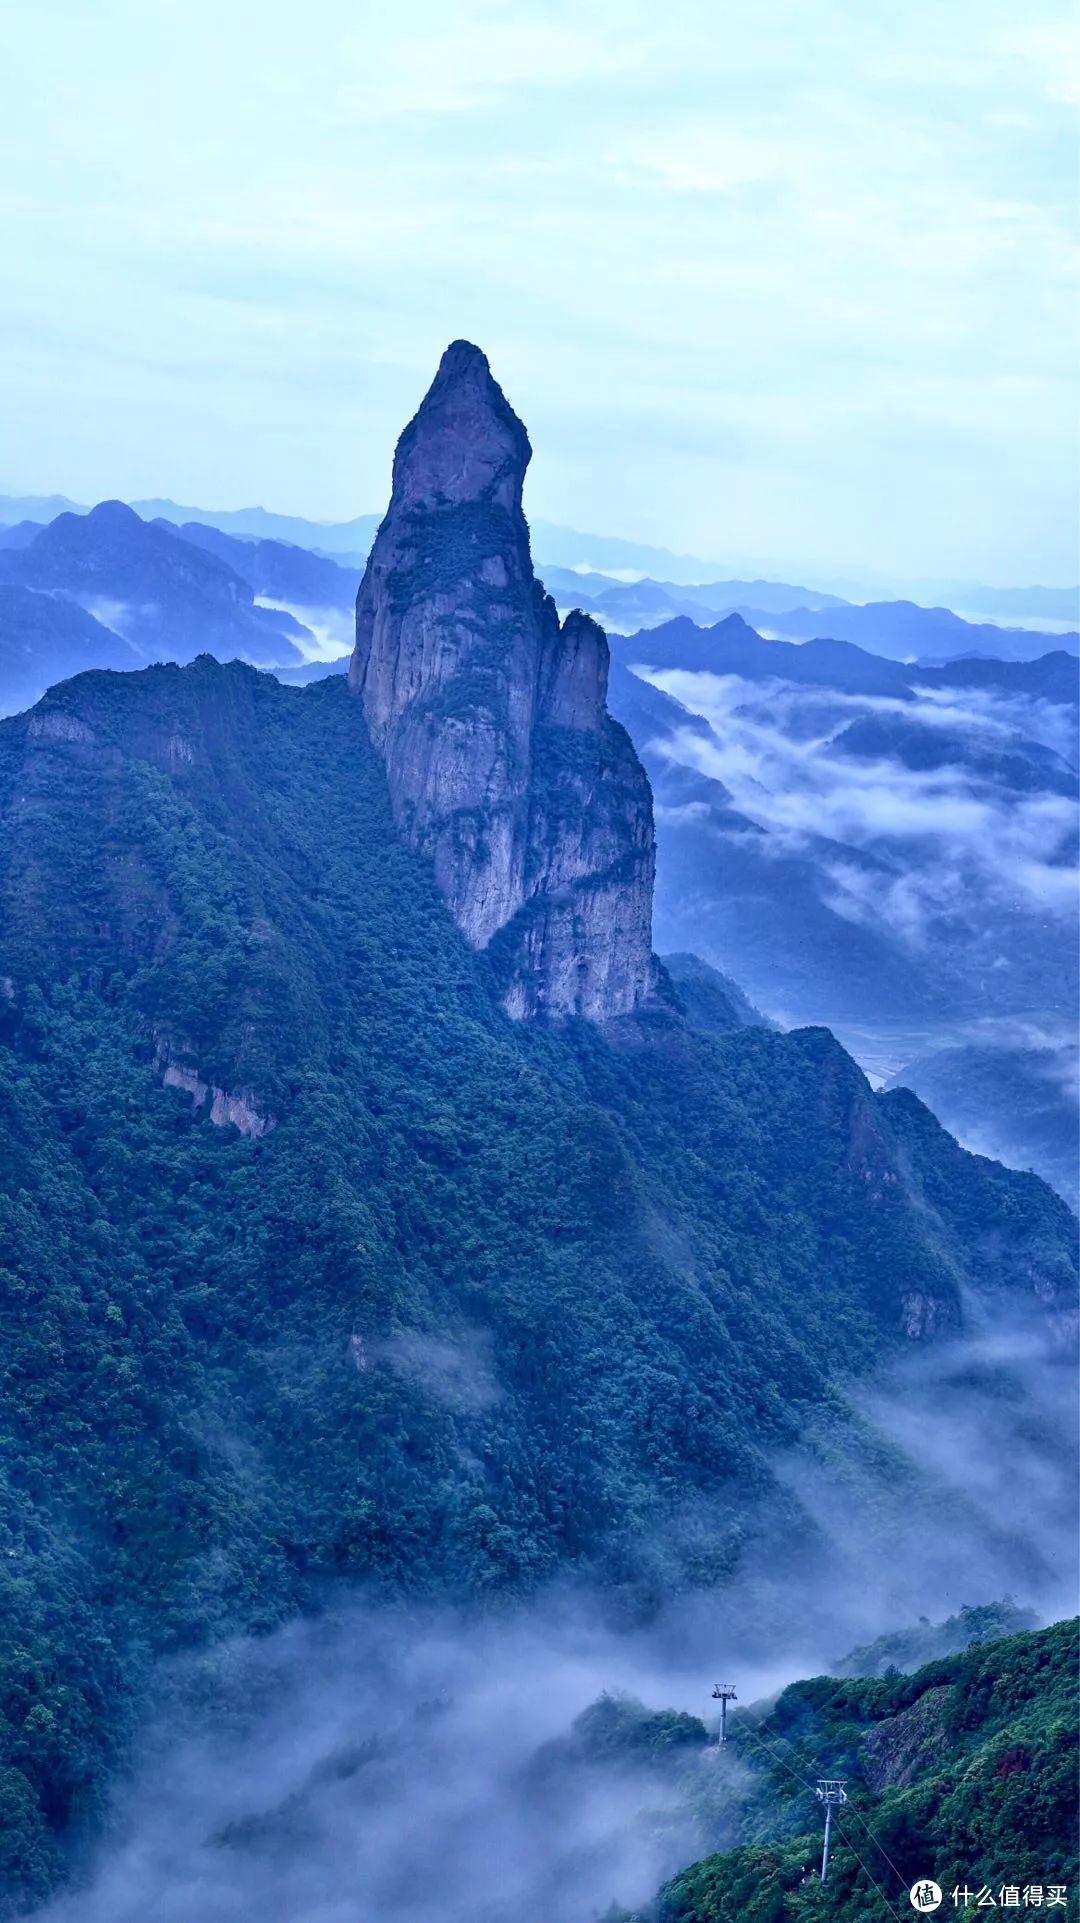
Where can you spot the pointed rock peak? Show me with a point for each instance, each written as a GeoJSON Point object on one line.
{"type": "Point", "coordinates": [586, 627]}
{"type": "Point", "coordinates": [503, 765]}
{"type": "Point", "coordinates": [575, 685]}
{"type": "Point", "coordinates": [463, 361]}
{"type": "Point", "coordinates": [465, 443]}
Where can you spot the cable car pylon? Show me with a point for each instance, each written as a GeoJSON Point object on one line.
{"type": "Point", "coordinates": [724, 1693]}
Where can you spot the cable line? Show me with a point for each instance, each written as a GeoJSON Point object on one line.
{"type": "Point", "coordinates": [806, 1785]}
{"type": "Point", "coordinates": [878, 1846]}
{"type": "Point", "coordinates": [869, 1873]}
{"type": "Point", "coordinates": [764, 1744]}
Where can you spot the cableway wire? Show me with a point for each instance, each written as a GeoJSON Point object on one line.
{"type": "Point", "coordinates": [867, 1872]}
{"type": "Point", "coordinates": [859, 1818]}
{"type": "Point", "coordinates": [763, 1742]}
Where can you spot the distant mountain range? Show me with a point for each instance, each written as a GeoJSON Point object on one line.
{"type": "Point", "coordinates": [562, 553]}
{"type": "Point", "coordinates": [107, 589]}
{"type": "Point", "coordinates": [278, 570]}
{"type": "Point", "coordinates": [45, 639]}
{"type": "Point", "coordinates": [565, 547]}
{"type": "Point", "coordinates": [899, 630]}
{"type": "Point", "coordinates": [973, 597]}
{"type": "Point", "coordinates": [732, 646]}
{"type": "Point", "coordinates": [896, 630]}
{"type": "Point", "coordinates": [624, 605]}
{"type": "Point", "coordinates": [250, 523]}
{"type": "Point", "coordinates": [903, 631]}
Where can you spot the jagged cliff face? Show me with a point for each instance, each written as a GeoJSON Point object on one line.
{"type": "Point", "coordinates": [504, 765]}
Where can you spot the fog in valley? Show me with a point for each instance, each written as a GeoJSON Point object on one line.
{"type": "Point", "coordinates": [959, 837]}
{"type": "Point", "coordinates": [392, 1763]}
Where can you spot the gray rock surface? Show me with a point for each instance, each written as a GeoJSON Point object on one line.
{"type": "Point", "coordinates": [504, 766]}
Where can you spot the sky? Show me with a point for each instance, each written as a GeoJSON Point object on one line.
{"type": "Point", "coordinates": [774, 282]}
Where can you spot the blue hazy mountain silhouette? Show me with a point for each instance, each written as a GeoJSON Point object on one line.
{"type": "Point", "coordinates": [559, 551]}
{"type": "Point", "coordinates": [732, 646]}
{"type": "Point", "coordinates": [44, 639]}
{"type": "Point", "coordinates": [279, 570]}
{"type": "Point", "coordinates": [164, 598]}
{"type": "Point", "coordinates": [902, 631]}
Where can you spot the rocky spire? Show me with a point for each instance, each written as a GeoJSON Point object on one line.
{"type": "Point", "coordinates": [504, 765]}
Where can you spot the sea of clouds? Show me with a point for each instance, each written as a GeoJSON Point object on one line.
{"type": "Point", "coordinates": [954, 840]}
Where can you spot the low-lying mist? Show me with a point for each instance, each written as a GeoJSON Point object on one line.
{"type": "Point", "coordinates": [391, 1765]}
{"type": "Point", "coordinates": [394, 1763]}
{"type": "Point", "coordinates": [328, 633]}
{"type": "Point", "coordinates": [957, 836]}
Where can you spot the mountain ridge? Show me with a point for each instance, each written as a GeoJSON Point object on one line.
{"type": "Point", "coordinates": [160, 593]}
{"type": "Point", "coordinates": [733, 644]}
{"type": "Point", "coordinates": [323, 1267]}
{"type": "Point", "coordinates": [199, 871]}
{"type": "Point", "coordinates": [568, 549]}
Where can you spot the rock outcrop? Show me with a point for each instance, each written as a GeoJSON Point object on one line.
{"type": "Point", "coordinates": [504, 765]}
{"type": "Point", "coordinates": [228, 1107]}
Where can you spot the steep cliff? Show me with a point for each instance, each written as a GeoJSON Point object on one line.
{"type": "Point", "coordinates": [504, 765]}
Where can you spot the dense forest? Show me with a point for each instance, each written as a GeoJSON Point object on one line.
{"type": "Point", "coordinates": [964, 1772]}
{"type": "Point", "coordinates": [315, 1266]}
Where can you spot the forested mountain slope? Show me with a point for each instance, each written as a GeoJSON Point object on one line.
{"type": "Point", "coordinates": [316, 1264]}
{"type": "Point", "coordinates": [964, 1772]}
